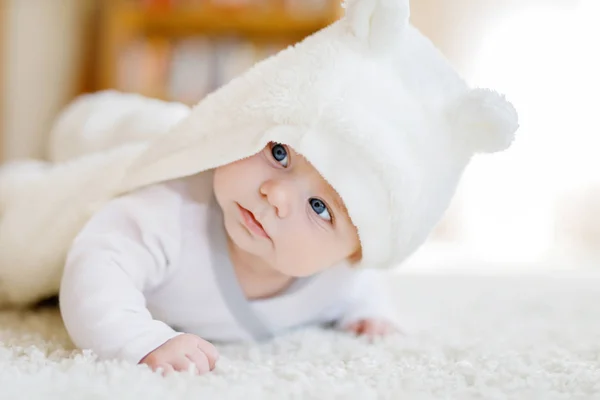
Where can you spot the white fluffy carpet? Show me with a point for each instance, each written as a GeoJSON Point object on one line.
{"type": "Point", "coordinates": [494, 337]}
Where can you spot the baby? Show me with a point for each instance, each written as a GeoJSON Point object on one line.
{"type": "Point", "coordinates": [277, 202]}
{"type": "Point", "coordinates": [248, 250]}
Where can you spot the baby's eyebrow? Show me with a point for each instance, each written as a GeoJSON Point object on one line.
{"type": "Point", "coordinates": [337, 203]}
{"type": "Point", "coordinates": [336, 200]}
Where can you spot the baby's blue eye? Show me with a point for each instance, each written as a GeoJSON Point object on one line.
{"type": "Point", "coordinates": [280, 154]}
{"type": "Point", "coordinates": [320, 208]}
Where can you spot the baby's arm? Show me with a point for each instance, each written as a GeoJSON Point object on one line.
{"type": "Point", "coordinates": [101, 297]}
{"type": "Point", "coordinates": [124, 250]}
{"type": "Point", "coordinates": [370, 309]}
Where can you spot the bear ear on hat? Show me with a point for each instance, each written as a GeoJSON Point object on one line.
{"type": "Point", "coordinates": [379, 23]}
{"type": "Point", "coordinates": [485, 119]}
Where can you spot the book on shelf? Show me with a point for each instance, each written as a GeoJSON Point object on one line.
{"type": "Point", "coordinates": [189, 68]}
{"type": "Point", "coordinates": [174, 50]}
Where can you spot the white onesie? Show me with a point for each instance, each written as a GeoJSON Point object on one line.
{"type": "Point", "coordinates": [154, 263]}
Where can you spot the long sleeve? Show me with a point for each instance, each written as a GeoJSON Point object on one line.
{"type": "Point", "coordinates": [370, 298]}
{"type": "Point", "coordinates": [125, 249]}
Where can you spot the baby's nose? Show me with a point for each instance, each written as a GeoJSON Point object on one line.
{"type": "Point", "coordinates": [280, 195]}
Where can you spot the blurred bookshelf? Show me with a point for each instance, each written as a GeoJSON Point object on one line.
{"type": "Point", "coordinates": [181, 50]}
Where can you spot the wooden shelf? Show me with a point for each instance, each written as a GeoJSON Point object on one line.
{"type": "Point", "coordinates": [218, 20]}
{"type": "Point", "coordinates": [124, 22]}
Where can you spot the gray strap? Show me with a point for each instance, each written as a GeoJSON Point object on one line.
{"type": "Point", "coordinates": [232, 292]}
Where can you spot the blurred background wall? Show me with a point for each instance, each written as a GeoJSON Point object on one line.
{"type": "Point", "coordinates": [43, 49]}
{"type": "Point", "coordinates": [535, 206]}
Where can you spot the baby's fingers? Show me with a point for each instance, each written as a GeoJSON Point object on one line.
{"type": "Point", "coordinates": [210, 351]}
{"type": "Point", "coordinates": [357, 328]}
{"type": "Point", "coordinates": [181, 363]}
{"type": "Point", "coordinates": [166, 369]}
{"type": "Point", "coordinates": [199, 360]}
{"type": "Point", "coordinates": [376, 328]}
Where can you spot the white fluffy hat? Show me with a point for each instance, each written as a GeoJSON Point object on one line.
{"type": "Point", "coordinates": [371, 103]}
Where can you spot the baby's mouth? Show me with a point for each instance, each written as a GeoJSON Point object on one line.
{"type": "Point", "coordinates": [255, 220]}
{"type": "Point", "coordinates": [252, 224]}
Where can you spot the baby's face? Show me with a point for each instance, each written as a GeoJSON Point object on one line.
{"type": "Point", "coordinates": [278, 207]}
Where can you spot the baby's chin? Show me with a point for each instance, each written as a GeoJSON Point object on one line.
{"type": "Point", "coordinates": [293, 270]}
{"type": "Point", "coordinates": [283, 265]}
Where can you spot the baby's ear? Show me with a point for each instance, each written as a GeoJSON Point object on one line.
{"type": "Point", "coordinates": [485, 119]}
{"type": "Point", "coordinates": [378, 23]}
{"type": "Point", "coordinates": [355, 257]}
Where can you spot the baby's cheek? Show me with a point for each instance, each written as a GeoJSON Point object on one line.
{"type": "Point", "coordinates": [301, 250]}
{"type": "Point", "coordinates": [296, 260]}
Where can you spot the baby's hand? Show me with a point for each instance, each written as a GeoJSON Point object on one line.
{"type": "Point", "coordinates": [182, 352]}
{"type": "Point", "coordinates": [372, 328]}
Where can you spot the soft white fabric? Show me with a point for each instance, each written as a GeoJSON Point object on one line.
{"type": "Point", "coordinates": [368, 100]}
{"type": "Point", "coordinates": [372, 104]}
{"type": "Point", "coordinates": [102, 121]}
{"type": "Point", "coordinates": [493, 337]}
{"type": "Point", "coordinates": [44, 204]}
{"type": "Point", "coordinates": [143, 269]}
